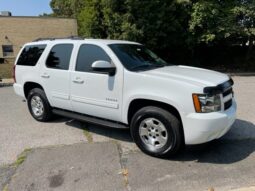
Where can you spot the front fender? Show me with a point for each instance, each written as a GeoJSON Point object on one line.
{"type": "Point", "coordinates": [157, 98]}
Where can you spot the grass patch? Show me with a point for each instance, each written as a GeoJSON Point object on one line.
{"type": "Point", "coordinates": [5, 188]}
{"type": "Point", "coordinates": [6, 70]}
{"type": "Point", "coordinates": [86, 132]}
{"type": "Point", "coordinates": [88, 135]}
{"type": "Point", "coordinates": [22, 157]}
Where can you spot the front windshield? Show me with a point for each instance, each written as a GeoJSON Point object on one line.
{"type": "Point", "coordinates": [136, 57]}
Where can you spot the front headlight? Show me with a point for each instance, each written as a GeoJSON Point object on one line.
{"type": "Point", "coordinates": [206, 103]}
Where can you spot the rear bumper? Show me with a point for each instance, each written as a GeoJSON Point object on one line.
{"type": "Point", "coordinates": [202, 128]}
{"type": "Point", "coordinates": [18, 89]}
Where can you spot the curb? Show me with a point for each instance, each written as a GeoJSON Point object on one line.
{"type": "Point", "coordinates": [245, 189]}
{"type": "Point", "coordinates": [242, 74]}
{"type": "Point", "coordinates": [6, 82]}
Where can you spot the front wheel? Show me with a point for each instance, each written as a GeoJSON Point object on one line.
{"type": "Point", "coordinates": [156, 131]}
{"type": "Point", "coordinates": [38, 105]}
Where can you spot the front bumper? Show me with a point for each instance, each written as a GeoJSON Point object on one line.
{"type": "Point", "coordinates": [204, 127]}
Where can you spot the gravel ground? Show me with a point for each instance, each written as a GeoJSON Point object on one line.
{"type": "Point", "coordinates": [19, 131]}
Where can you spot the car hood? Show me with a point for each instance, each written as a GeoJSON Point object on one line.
{"type": "Point", "coordinates": [194, 75]}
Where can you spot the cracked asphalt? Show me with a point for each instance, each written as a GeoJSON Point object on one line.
{"type": "Point", "coordinates": [70, 155]}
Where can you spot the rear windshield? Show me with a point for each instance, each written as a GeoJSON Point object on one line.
{"type": "Point", "coordinates": [30, 55]}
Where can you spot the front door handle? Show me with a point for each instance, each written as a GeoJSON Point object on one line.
{"type": "Point", "coordinates": [45, 75]}
{"type": "Point", "coordinates": [78, 81]}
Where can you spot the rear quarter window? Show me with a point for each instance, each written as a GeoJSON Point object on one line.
{"type": "Point", "coordinates": [30, 55]}
{"type": "Point", "coordinates": [59, 56]}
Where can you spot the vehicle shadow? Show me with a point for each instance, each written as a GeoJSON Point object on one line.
{"type": "Point", "coordinates": [117, 134]}
{"type": "Point", "coordinates": [236, 145]}
{"type": "Point", "coordinates": [59, 119]}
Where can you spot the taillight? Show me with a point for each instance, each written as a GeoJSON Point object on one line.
{"type": "Point", "coordinates": [13, 73]}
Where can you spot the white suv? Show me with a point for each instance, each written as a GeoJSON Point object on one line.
{"type": "Point", "coordinates": [122, 84]}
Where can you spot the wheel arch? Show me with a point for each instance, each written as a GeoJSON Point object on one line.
{"type": "Point", "coordinates": [29, 86]}
{"type": "Point", "coordinates": [138, 103]}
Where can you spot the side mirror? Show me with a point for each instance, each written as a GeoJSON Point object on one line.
{"type": "Point", "coordinates": [104, 67]}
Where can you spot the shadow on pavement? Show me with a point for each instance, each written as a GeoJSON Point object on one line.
{"type": "Point", "coordinates": [59, 119]}
{"type": "Point", "coordinates": [118, 134]}
{"type": "Point", "coordinates": [235, 146]}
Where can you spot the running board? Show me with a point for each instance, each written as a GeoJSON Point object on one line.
{"type": "Point", "coordinates": [89, 119]}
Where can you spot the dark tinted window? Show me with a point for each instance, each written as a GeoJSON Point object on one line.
{"type": "Point", "coordinates": [137, 57]}
{"type": "Point", "coordinates": [87, 55]}
{"type": "Point", "coordinates": [30, 55]}
{"type": "Point", "coordinates": [59, 56]}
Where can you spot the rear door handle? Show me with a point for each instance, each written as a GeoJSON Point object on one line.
{"type": "Point", "coordinates": [45, 76]}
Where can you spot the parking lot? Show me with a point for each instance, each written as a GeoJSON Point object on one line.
{"type": "Point", "coordinates": [69, 155]}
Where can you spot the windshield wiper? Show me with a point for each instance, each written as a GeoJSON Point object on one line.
{"type": "Point", "coordinates": [141, 66]}
{"type": "Point", "coordinates": [160, 65]}
{"type": "Point", "coordinates": [149, 66]}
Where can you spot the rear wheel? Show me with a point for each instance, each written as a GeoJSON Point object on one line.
{"type": "Point", "coordinates": [156, 131]}
{"type": "Point", "coordinates": [38, 105]}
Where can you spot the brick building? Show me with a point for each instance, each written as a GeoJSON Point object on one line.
{"type": "Point", "coordinates": [15, 31]}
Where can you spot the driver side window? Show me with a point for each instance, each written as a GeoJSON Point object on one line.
{"type": "Point", "coordinates": [88, 54]}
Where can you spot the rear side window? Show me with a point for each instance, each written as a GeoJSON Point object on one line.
{"type": "Point", "coordinates": [87, 55]}
{"type": "Point", "coordinates": [59, 57]}
{"type": "Point", "coordinates": [30, 55]}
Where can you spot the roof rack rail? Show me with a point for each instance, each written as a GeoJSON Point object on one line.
{"type": "Point", "coordinates": [63, 38]}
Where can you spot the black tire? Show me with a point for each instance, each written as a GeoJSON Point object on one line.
{"type": "Point", "coordinates": [172, 124]}
{"type": "Point", "coordinates": [47, 110]}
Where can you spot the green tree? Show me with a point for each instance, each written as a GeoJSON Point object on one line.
{"type": "Point", "coordinates": [156, 22]}
{"type": "Point", "coordinates": [243, 22]}
{"type": "Point", "coordinates": [218, 20]}
{"type": "Point", "coordinates": [209, 21]}
{"type": "Point", "coordinates": [62, 8]}
{"type": "Point", "coordinates": [162, 24]}
{"type": "Point", "coordinates": [223, 22]}
{"type": "Point", "coordinates": [91, 20]}
{"type": "Point", "coordinates": [170, 27]}
{"type": "Point", "coordinates": [67, 8]}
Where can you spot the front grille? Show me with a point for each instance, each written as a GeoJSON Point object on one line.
{"type": "Point", "coordinates": [228, 101]}
{"type": "Point", "coordinates": [227, 92]}
{"type": "Point", "coordinates": [227, 104]}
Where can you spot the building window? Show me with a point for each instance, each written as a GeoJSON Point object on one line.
{"type": "Point", "coordinates": [7, 50]}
